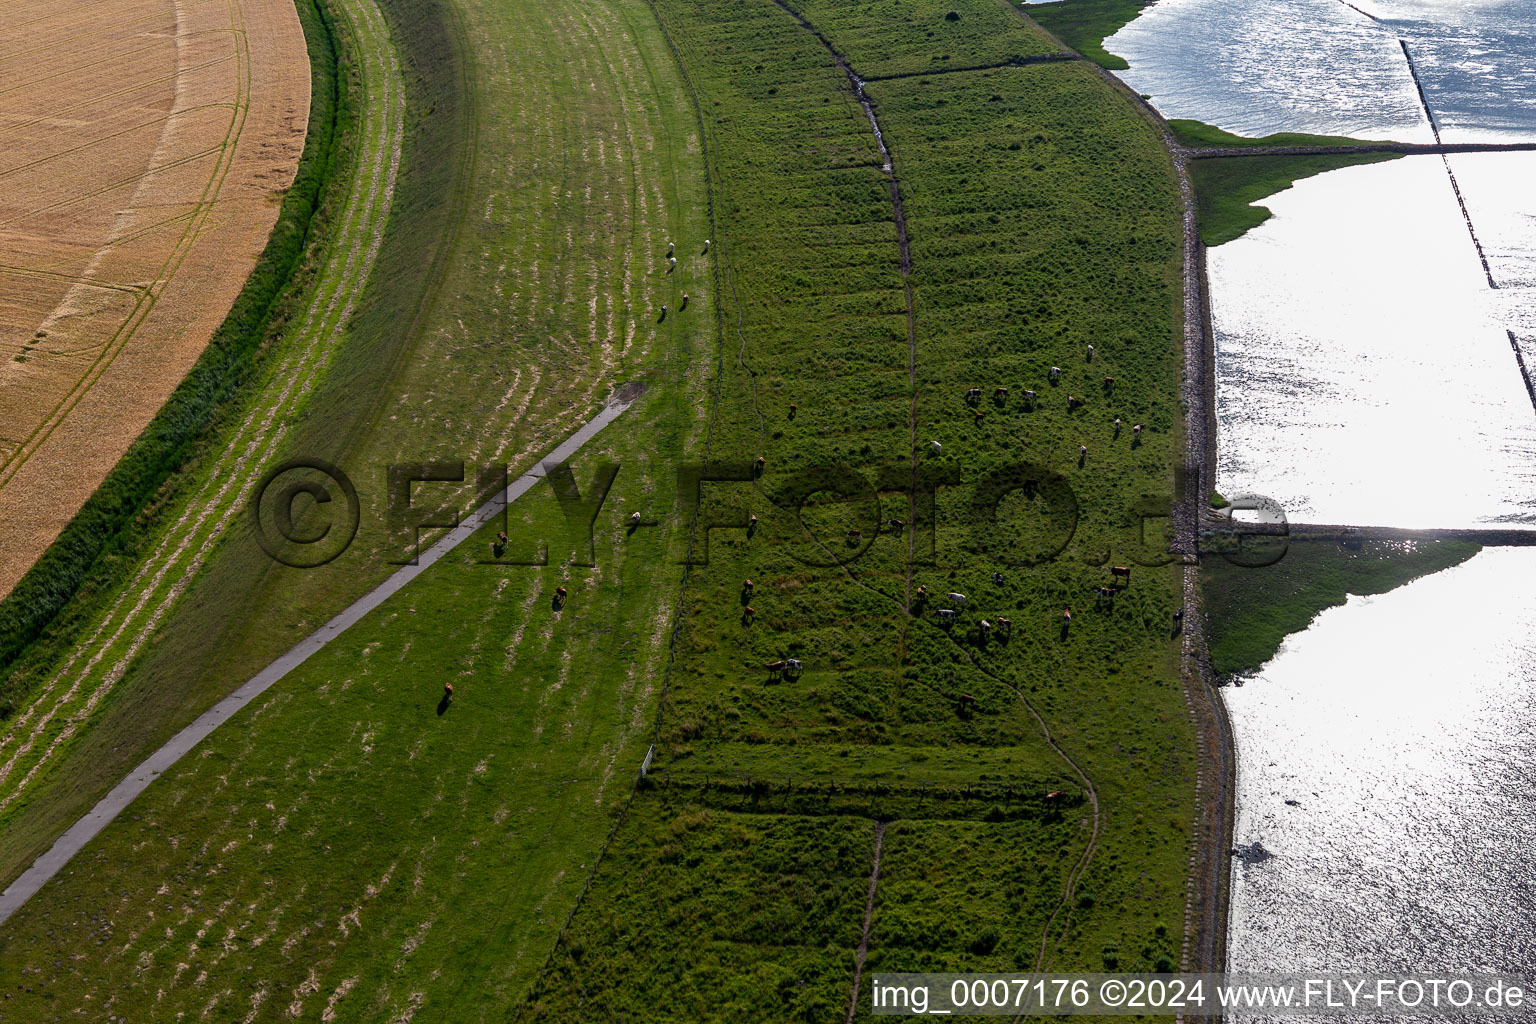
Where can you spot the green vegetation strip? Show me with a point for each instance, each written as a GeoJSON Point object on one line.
{"type": "Point", "coordinates": [1228, 189]}
{"type": "Point", "coordinates": [1252, 610]}
{"type": "Point", "coordinates": [219, 378]}
{"type": "Point", "coordinates": [1085, 24]}
{"type": "Point", "coordinates": [1200, 134]}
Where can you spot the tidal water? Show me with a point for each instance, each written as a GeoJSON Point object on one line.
{"type": "Point", "coordinates": [1365, 375]}
{"type": "Point", "coordinates": [1323, 66]}
{"type": "Point", "coordinates": [1386, 756]}
{"type": "Point", "coordinates": [1363, 371]}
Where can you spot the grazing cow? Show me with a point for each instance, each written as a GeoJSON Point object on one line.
{"type": "Point", "coordinates": [1032, 485]}
{"type": "Point", "coordinates": [967, 701]}
{"type": "Point", "coordinates": [997, 578]}
{"type": "Point", "coordinates": [1055, 794]}
{"type": "Point", "coordinates": [706, 245]}
{"type": "Point", "coordinates": [984, 626]}
{"type": "Point", "coordinates": [854, 536]}
{"type": "Point", "coordinates": [752, 524]}
{"type": "Point", "coordinates": [775, 667]}
{"type": "Point", "coordinates": [1136, 430]}
{"type": "Point", "coordinates": [1066, 616]}
{"type": "Point", "coordinates": [447, 692]}
{"type": "Point", "coordinates": [1082, 452]}
{"type": "Point", "coordinates": [1029, 396]}
{"type": "Point", "coordinates": [684, 304]}
{"type": "Point", "coordinates": [980, 415]}
{"type": "Point", "coordinates": [895, 524]}
{"type": "Point", "coordinates": [793, 408]}
{"type": "Point", "coordinates": [793, 665]}
{"type": "Point", "coordinates": [1118, 571]}
{"type": "Point", "coordinates": [1000, 392]}
{"type": "Point", "coordinates": [973, 395]}
{"type": "Point", "coordinates": [671, 264]}
{"type": "Point", "coordinates": [1090, 353]}
{"type": "Point", "coordinates": [634, 520]}
{"type": "Point", "coordinates": [946, 615]}
{"type": "Point", "coordinates": [922, 593]}
{"type": "Point", "coordinates": [1004, 625]}
{"type": "Point", "coordinates": [1117, 426]}
{"type": "Point", "coordinates": [1055, 372]}
{"type": "Point", "coordinates": [1109, 382]}
{"type": "Point", "coordinates": [759, 464]}
{"type": "Point", "coordinates": [747, 586]}
{"type": "Point", "coordinates": [671, 248]}
{"type": "Point", "coordinates": [749, 612]}
{"type": "Point", "coordinates": [958, 599]}
{"type": "Point", "coordinates": [1178, 616]}
{"type": "Point", "coordinates": [937, 448]}
{"type": "Point", "coordinates": [1072, 402]}
{"type": "Point", "coordinates": [663, 314]}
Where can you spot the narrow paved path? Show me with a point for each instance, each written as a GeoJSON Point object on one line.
{"type": "Point", "coordinates": [111, 805]}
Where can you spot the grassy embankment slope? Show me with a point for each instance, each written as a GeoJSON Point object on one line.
{"type": "Point", "coordinates": [1252, 610]}
{"type": "Point", "coordinates": [1043, 217]}
{"type": "Point", "coordinates": [360, 849]}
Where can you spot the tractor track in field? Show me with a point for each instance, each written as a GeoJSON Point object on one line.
{"type": "Point", "coordinates": [78, 688]}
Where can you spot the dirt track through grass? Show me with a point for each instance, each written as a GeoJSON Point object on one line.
{"type": "Point", "coordinates": [1024, 249]}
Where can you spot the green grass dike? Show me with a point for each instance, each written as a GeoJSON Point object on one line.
{"type": "Point", "coordinates": [352, 847]}
{"type": "Point", "coordinates": [1031, 789]}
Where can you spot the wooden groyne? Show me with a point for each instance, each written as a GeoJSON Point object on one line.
{"type": "Point", "coordinates": [1434, 126]}
{"type": "Point", "coordinates": [1405, 148]}
{"type": "Point", "coordinates": [1492, 537]}
{"type": "Point", "coordinates": [1525, 371]}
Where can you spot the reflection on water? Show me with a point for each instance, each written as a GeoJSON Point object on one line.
{"type": "Point", "coordinates": [1272, 65]}
{"type": "Point", "coordinates": [1474, 57]}
{"type": "Point", "coordinates": [1363, 372]}
{"type": "Point", "coordinates": [1387, 754]}
{"type": "Point", "coordinates": [1403, 727]}
{"type": "Point", "coordinates": [1262, 66]}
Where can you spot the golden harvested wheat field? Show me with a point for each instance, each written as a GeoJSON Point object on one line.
{"type": "Point", "coordinates": [144, 149]}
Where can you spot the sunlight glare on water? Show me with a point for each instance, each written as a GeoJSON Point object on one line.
{"type": "Point", "coordinates": [1276, 65]}
{"type": "Point", "coordinates": [1404, 727]}
{"type": "Point", "coordinates": [1261, 66]}
{"type": "Point", "coordinates": [1363, 375]}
